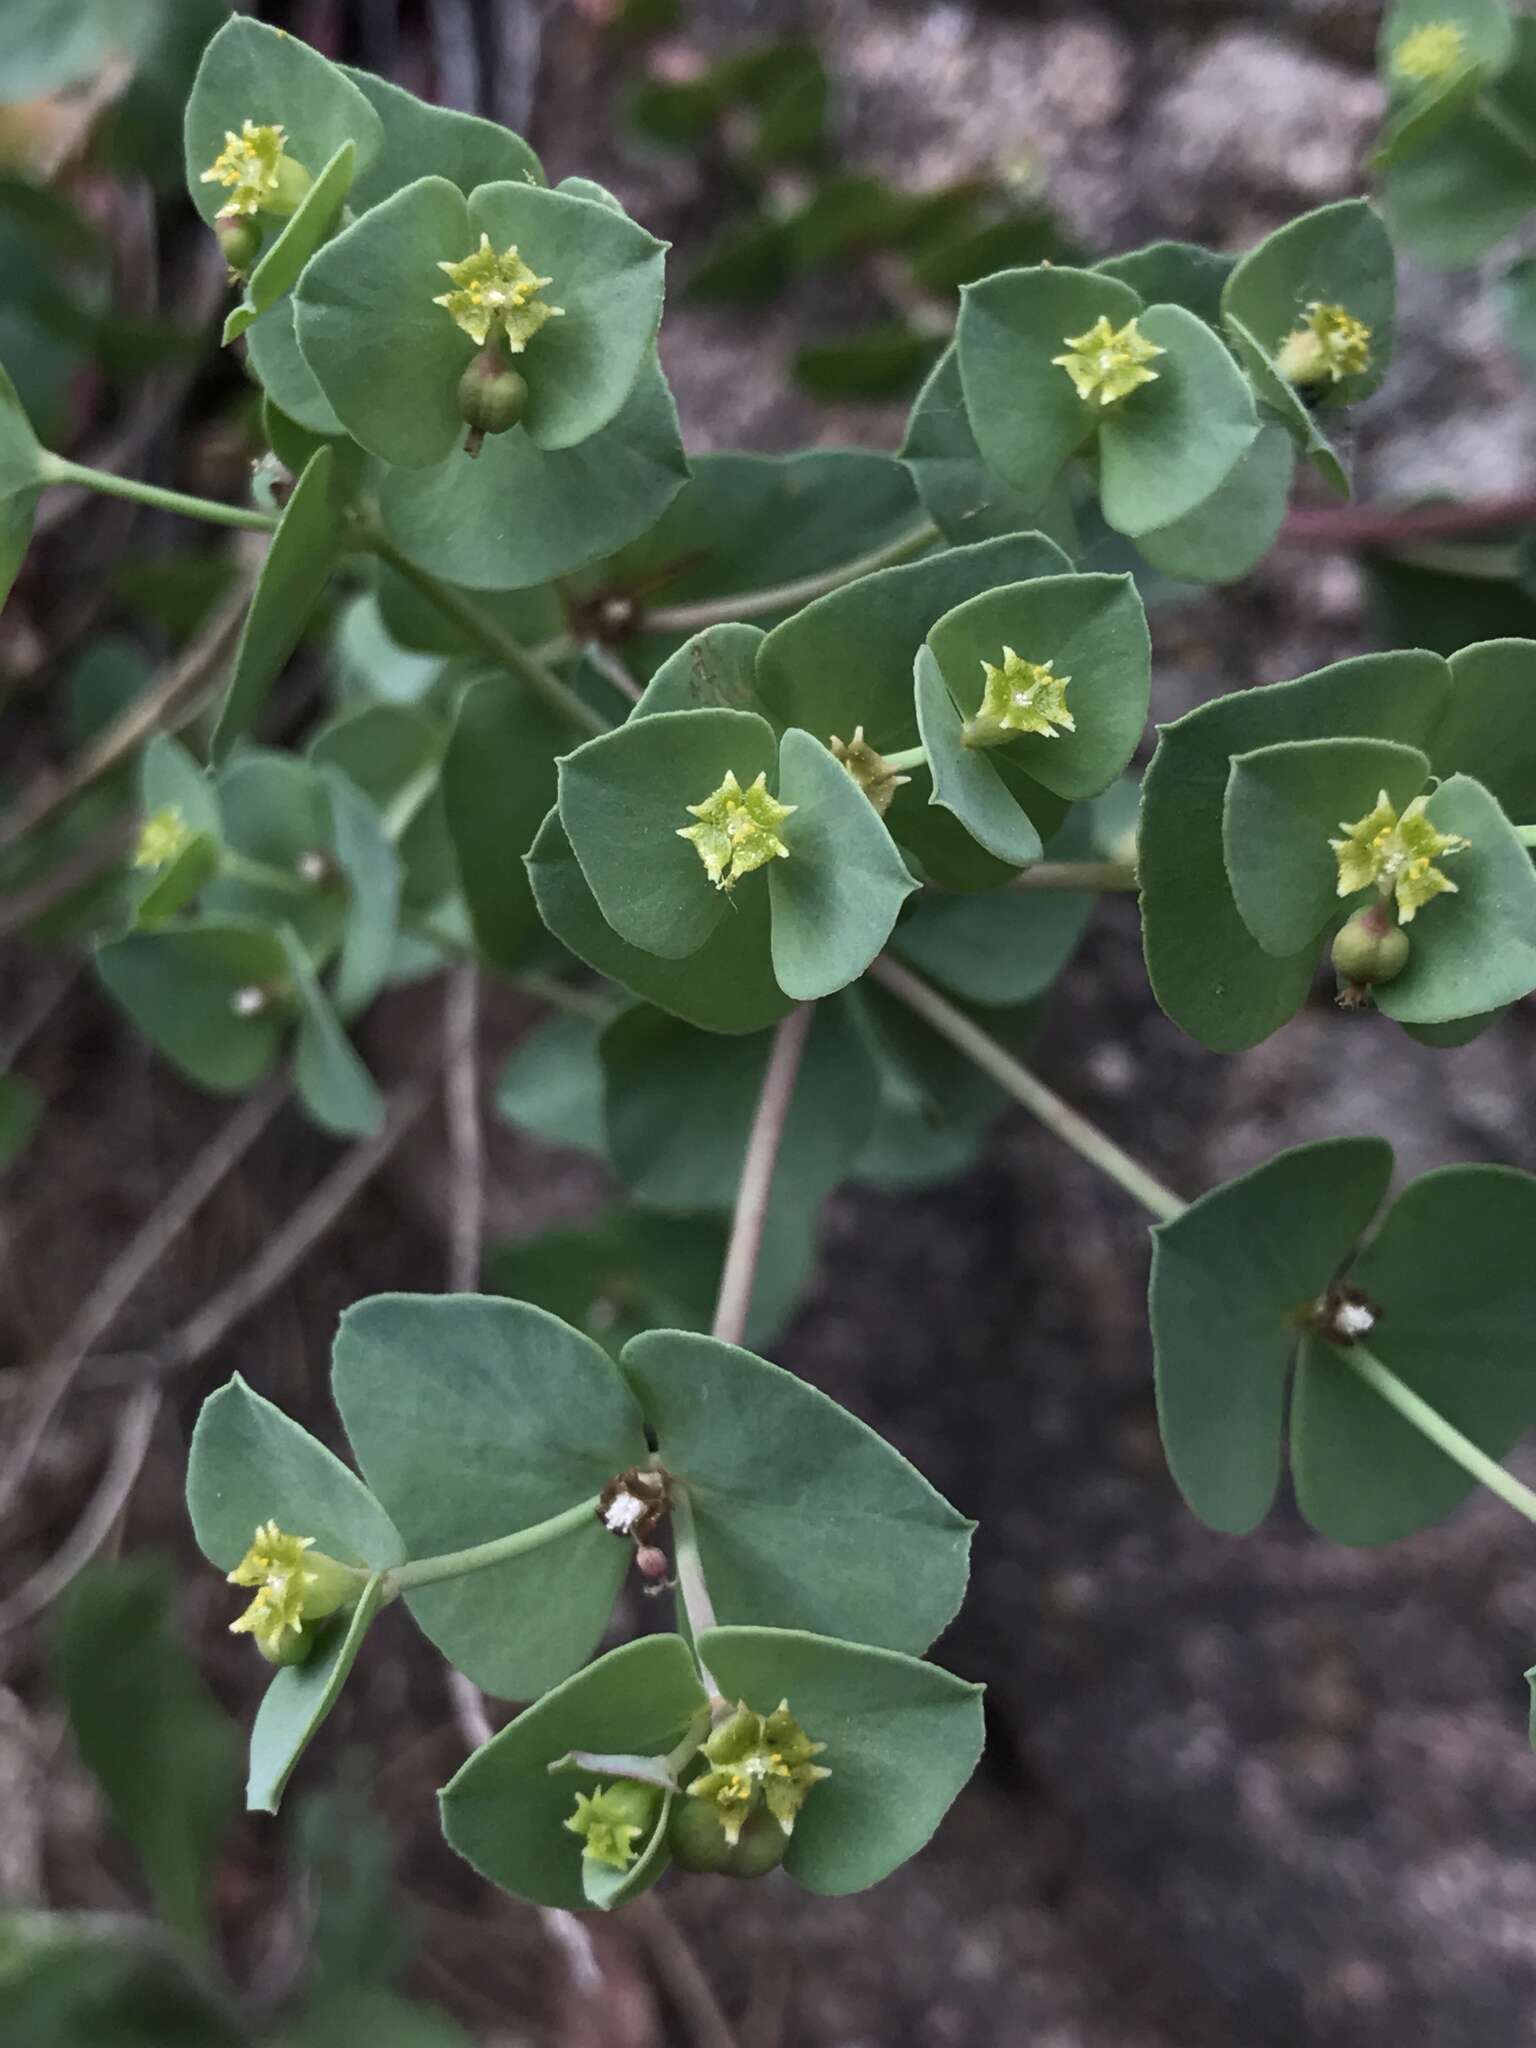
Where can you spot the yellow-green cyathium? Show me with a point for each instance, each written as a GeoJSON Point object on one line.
{"type": "Point", "coordinates": [294, 1585]}
{"type": "Point", "coordinates": [1019, 696]}
{"type": "Point", "coordinates": [164, 835]}
{"type": "Point", "coordinates": [496, 297]}
{"type": "Point", "coordinates": [1329, 345]}
{"type": "Point", "coordinates": [257, 172]}
{"type": "Point", "coordinates": [613, 1821]}
{"type": "Point", "coordinates": [1396, 855]}
{"type": "Point", "coordinates": [1109, 363]}
{"type": "Point", "coordinates": [757, 1761]}
{"type": "Point", "coordinates": [738, 829]}
{"type": "Point", "coordinates": [869, 769]}
{"type": "Point", "coordinates": [1430, 52]}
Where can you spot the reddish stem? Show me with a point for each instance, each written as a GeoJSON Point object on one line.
{"type": "Point", "coordinates": [1387, 526]}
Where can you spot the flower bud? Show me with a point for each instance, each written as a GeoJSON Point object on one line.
{"type": "Point", "coordinates": [697, 1838]}
{"type": "Point", "coordinates": [492, 396]}
{"type": "Point", "coordinates": [869, 769]}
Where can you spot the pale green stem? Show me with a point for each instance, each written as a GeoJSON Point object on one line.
{"type": "Point", "coordinates": [56, 469]}
{"type": "Point", "coordinates": [1085, 1138]}
{"type": "Point", "coordinates": [1513, 130]}
{"type": "Point", "coordinates": [1078, 874]}
{"type": "Point", "coordinates": [785, 597]}
{"type": "Point", "coordinates": [1526, 834]}
{"type": "Point", "coordinates": [910, 757]}
{"type": "Point", "coordinates": [692, 1591]}
{"type": "Point", "coordinates": [259, 874]}
{"type": "Point", "coordinates": [457, 1564]}
{"type": "Point", "coordinates": [491, 638]}
{"type": "Point", "coordinates": [1445, 1436]}
{"type": "Point", "coordinates": [407, 802]}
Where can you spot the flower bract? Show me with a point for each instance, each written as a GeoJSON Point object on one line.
{"type": "Point", "coordinates": [758, 1760]}
{"type": "Point", "coordinates": [738, 829]}
{"type": "Point", "coordinates": [496, 294]}
{"type": "Point", "coordinates": [1396, 855]}
{"type": "Point", "coordinates": [1108, 363]}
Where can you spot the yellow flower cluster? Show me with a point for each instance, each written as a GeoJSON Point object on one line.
{"type": "Point", "coordinates": [1430, 52]}
{"type": "Point", "coordinates": [496, 294]}
{"type": "Point", "coordinates": [738, 829]}
{"type": "Point", "coordinates": [1020, 696]}
{"type": "Point", "coordinates": [1397, 855]}
{"type": "Point", "coordinates": [1109, 363]}
{"type": "Point", "coordinates": [1331, 344]}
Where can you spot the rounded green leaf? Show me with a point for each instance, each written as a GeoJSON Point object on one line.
{"type": "Point", "coordinates": [276, 811]}
{"type": "Point", "coordinates": [1093, 631]}
{"type": "Point", "coordinates": [333, 1084]}
{"type": "Point", "coordinates": [1172, 444]}
{"type": "Point", "coordinates": [966, 500]}
{"type": "Point", "coordinates": [273, 355]}
{"type": "Point", "coordinates": [1451, 1277]}
{"type": "Point", "coordinates": [902, 1739]}
{"type": "Point", "coordinates": [1474, 182]}
{"type": "Point", "coordinates": [1485, 28]}
{"type": "Point", "coordinates": [1284, 804]}
{"type": "Point", "coordinates": [1232, 532]}
{"type": "Point", "coordinates": [727, 986]}
{"type": "Point", "coordinates": [249, 1463]}
{"type": "Point", "coordinates": [1023, 408]}
{"type": "Point", "coordinates": [625, 797]}
{"type": "Point", "coordinates": [1174, 274]}
{"type": "Point", "coordinates": [716, 668]}
{"type": "Point", "coordinates": [1475, 950]}
{"type": "Point", "coordinates": [251, 72]}
{"type": "Point", "coordinates": [1208, 971]}
{"type": "Point", "coordinates": [467, 519]}
{"type": "Point", "coordinates": [1338, 255]}
{"type": "Point", "coordinates": [1228, 1277]}
{"type": "Point", "coordinates": [299, 1698]}
{"type": "Point", "coordinates": [805, 1517]}
{"type": "Point", "coordinates": [472, 1418]}
{"type": "Point", "coordinates": [505, 1810]}
{"type": "Point", "coordinates": [1007, 946]}
{"type": "Point", "coordinates": [1489, 728]}
{"type": "Point", "coordinates": [421, 140]}
{"type": "Point", "coordinates": [966, 781]}
{"type": "Point", "coordinates": [309, 225]}
{"type": "Point", "coordinates": [607, 277]}
{"type": "Point", "coordinates": [835, 899]}
{"type": "Point", "coordinates": [499, 780]}
{"type": "Point", "coordinates": [179, 983]}
{"type": "Point", "coordinates": [21, 478]}
{"type": "Point", "coordinates": [366, 856]}
{"type": "Point", "coordinates": [552, 1086]}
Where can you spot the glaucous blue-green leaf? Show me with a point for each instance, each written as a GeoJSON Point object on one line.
{"type": "Point", "coordinates": [1023, 408]}
{"type": "Point", "coordinates": [367, 859]}
{"type": "Point", "coordinates": [965, 780]}
{"type": "Point", "coordinates": [273, 354]}
{"type": "Point", "coordinates": [421, 140]}
{"type": "Point", "coordinates": [966, 500]}
{"type": "Point", "coordinates": [678, 1109]}
{"type": "Point", "coordinates": [505, 1811]}
{"type": "Point", "coordinates": [1421, 106]}
{"type": "Point", "coordinates": [1338, 255]}
{"type": "Point", "coordinates": [1093, 631]}
{"type": "Point", "coordinates": [251, 72]}
{"type": "Point", "coordinates": [1208, 971]}
{"type": "Point", "coordinates": [171, 780]}
{"type": "Point", "coordinates": [1476, 950]}
{"type": "Point", "coordinates": [114, 1980]}
{"type": "Point", "coordinates": [393, 755]}
{"type": "Point", "coordinates": [276, 813]}
{"type": "Point", "coordinates": [466, 518]}
{"type": "Point", "coordinates": [727, 986]}
{"type": "Point", "coordinates": [413, 621]}
{"type": "Point", "coordinates": [1489, 728]}
{"type": "Point", "coordinates": [333, 1083]}
{"type": "Point", "coordinates": [835, 899]}
{"type": "Point", "coordinates": [303, 552]}
{"type": "Point", "coordinates": [22, 464]}
{"type": "Point", "coordinates": [1284, 804]}
{"type": "Point", "coordinates": [1451, 1278]}
{"type": "Point", "coordinates": [179, 986]}
{"type": "Point", "coordinates": [1475, 181]}
{"type": "Point", "coordinates": [299, 1698]}
{"type": "Point", "coordinates": [473, 1418]}
{"type": "Point", "coordinates": [902, 1739]}
{"type": "Point", "coordinates": [624, 797]}
{"type": "Point", "coordinates": [805, 1517]}
{"type": "Point", "coordinates": [372, 667]}
{"type": "Point", "coordinates": [147, 1728]}
{"type": "Point", "coordinates": [302, 233]}
{"type": "Point", "coordinates": [1173, 274]}
{"type": "Point", "coordinates": [1229, 1277]}
{"type": "Point", "coordinates": [172, 887]}
{"type": "Point", "coordinates": [716, 668]}
{"type": "Point", "coordinates": [499, 780]}
{"type": "Point", "coordinates": [21, 1108]}
{"type": "Point", "coordinates": [1231, 533]}
{"type": "Point", "coordinates": [552, 1084]}
{"type": "Point", "coordinates": [1172, 443]}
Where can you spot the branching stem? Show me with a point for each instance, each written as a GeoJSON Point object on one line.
{"type": "Point", "coordinates": [1078, 874]}
{"type": "Point", "coordinates": [757, 1169]}
{"type": "Point", "coordinates": [788, 597]}
{"type": "Point", "coordinates": [456, 1564]}
{"type": "Point", "coordinates": [57, 469]}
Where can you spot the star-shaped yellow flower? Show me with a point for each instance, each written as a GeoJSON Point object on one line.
{"type": "Point", "coordinates": [1433, 50]}
{"type": "Point", "coordinates": [1396, 855]}
{"type": "Point", "coordinates": [758, 1760]}
{"type": "Point", "coordinates": [496, 293]}
{"type": "Point", "coordinates": [1109, 363]}
{"type": "Point", "coordinates": [1020, 696]}
{"type": "Point", "coordinates": [1331, 344]}
{"type": "Point", "coordinates": [738, 829]}
{"type": "Point", "coordinates": [164, 834]}
{"type": "Point", "coordinates": [294, 1583]}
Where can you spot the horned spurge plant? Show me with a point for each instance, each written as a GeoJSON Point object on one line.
{"type": "Point", "coordinates": [692, 748]}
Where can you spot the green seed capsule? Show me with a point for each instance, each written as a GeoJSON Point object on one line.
{"type": "Point", "coordinates": [492, 396]}
{"type": "Point", "coordinates": [1370, 948]}
{"type": "Point", "coordinates": [697, 1839]}
{"type": "Point", "coordinates": [240, 239]}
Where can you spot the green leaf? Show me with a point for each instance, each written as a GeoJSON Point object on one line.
{"type": "Point", "coordinates": [303, 232]}
{"type": "Point", "coordinates": [1337, 255]}
{"type": "Point", "coordinates": [1489, 728]}
{"type": "Point", "coordinates": [421, 140]}
{"type": "Point", "coordinates": [148, 1730]}
{"type": "Point", "coordinates": [299, 1698]}
{"type": "Point", "coordinates": [552, 1086]}
{"type": "Point", "coordinates": [254, 73]}
{"type": "Point", "coordinates": [679, 1109]}
{"type": "Point", "coordinates": [1450, 1273]}
{"type": "Point", "coordinates": [902, 1739]}
{"type": "Point", "coordinates": [1487, 33]}
{"type": "Point", "coordinates": [1284, 805]}
{"type": "Point", "coordinates": [1174, 274]}
{"type": "Point", "coordinates": [472, 1418]}
{"type": "Point", "coordinates": [715, 669]}
{"type": "Point", "coordinates": [303, 552]}
{"type": "Point", "coordinates": [1007, 946]}
{"type": "Point", "coordinates": [966, 781]}
{"type": "Point", "coordinates": [966, 500]}
{"type": "Point", "coordinates": [805, 1517]}
{"type": "Point", "coordinates": [1093, 630]}
{"type": "Point", "coordinates": [21, 1107]}
{"type": "Point", "coordinates": [885, 361]}
{"type": "Point", "coordinates": [115, 1982]}
{"type": "Point", "coordinates": [249, 1464]}
{"type": "Point", "coordinates": [505, 1811]}
{"type": "Point", "coordinates": [21, 477]}
{"type": "Point", "coordinates": [1475, 181]}
{"type": "Point", "coordinates": [727, 986]}
{"type": "Point", "coordinates": [367, 858]}
{"type": "Point", "coordinates": [1228, 536]}
{"type": "Point", "coordinates": [836, 898]}
{"type": "Point", "coordinates": [1208, 972]}
{"type": "Point", "coordinates": [273, 355]}
{"type": "Point", "coordinates": [178, 985]}
{"type": "Point", "coordinates": [1173, 443]}
{"type": "Point", "coordinates": [366, 2014]}
{"type": "Point", "coordinates": [465, 519]}
{"type": "Point", "coordinates": [333, 1084]}
{"type": "Point", "coordinates": [276, 811]}
{"type": "Point", "coordinates": [748, 261]}
{"type": "Point", "coordinates": [1474, 951]}
{"type": "Point", "coordinates": [499, 780]}
{"type": "Point", "coordinates": [1228, 1277]}
{"type": "Point", "coordinates": [946, 262]}
{"type": "Point", "coordinates": [623, 798]}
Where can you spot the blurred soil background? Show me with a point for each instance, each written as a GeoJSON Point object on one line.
{"type": "Point", "coordinates": [1251, 1791]}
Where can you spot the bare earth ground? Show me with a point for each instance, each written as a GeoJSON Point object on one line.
{"type": "Point", "coordinates": [1260, 1791]}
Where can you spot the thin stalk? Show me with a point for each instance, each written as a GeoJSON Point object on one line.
{"type": "Point", "coordinates": [457, 1564]}
{"type": "Point", "coordinates": [757, 1168]}
{"type": "Point", "coordinates": [1085, 1138]}
{"type": "Point", "coordinates": [909, 757]}
{"type": "Point", "coordinates": [56, 469]}
{"type": "Point", "coordinates": [260, 874]}
{"type": "Point", "coordinates": [692, 1590]}
{"type": "Point", "coordinates": [1445, 1436]}
{"type": "Point", "coordinates": [490, 638]}
{"type": "Point", "coordinates": [407, 802]}
{"type": "Point", "coordinates": [785, 597]}
{"type": "Point", "coordinates": [1078, 874]}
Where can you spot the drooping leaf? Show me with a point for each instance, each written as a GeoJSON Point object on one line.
{"type": "Point", "coordinates": [300, 1697]}
{"type": "Point", "coordinates": [179, 985]}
